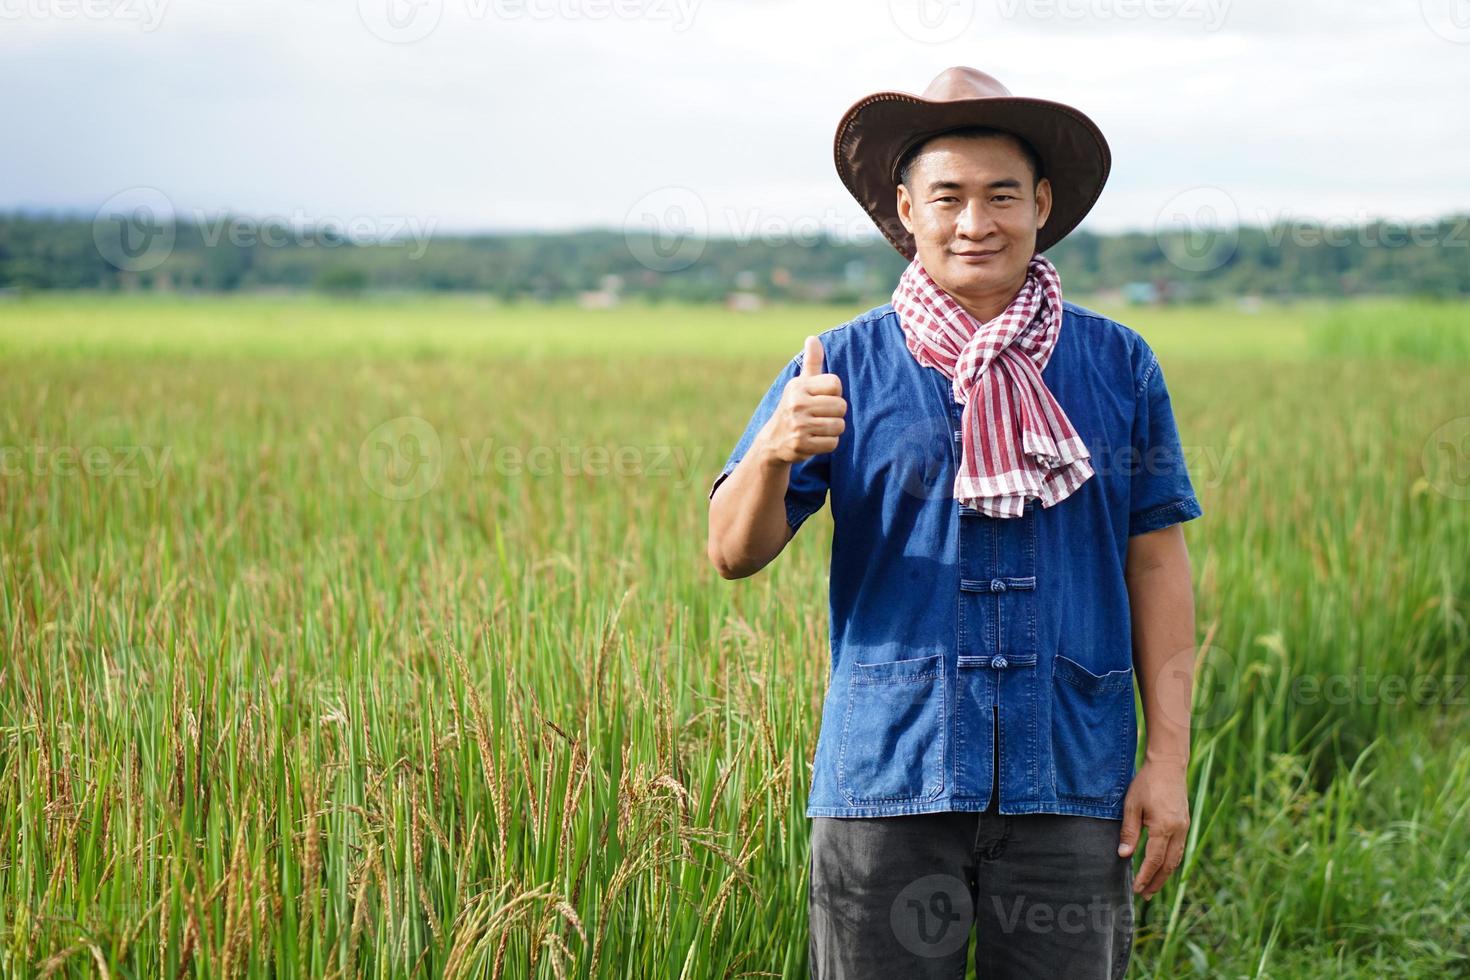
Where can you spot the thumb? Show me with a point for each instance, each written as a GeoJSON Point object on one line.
{"type": "Point", "coordinates": [1132, 817]}
{"type": "Point", "coordinates": [811, 362]}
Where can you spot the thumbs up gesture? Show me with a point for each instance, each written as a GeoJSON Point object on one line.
{"type": "Point", "coordinates": [810, 416]}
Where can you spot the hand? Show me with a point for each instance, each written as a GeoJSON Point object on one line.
{"type": "Point", "coordinates": [1158, 797]}
{"type": "Point", "coordinates": [810, 416]}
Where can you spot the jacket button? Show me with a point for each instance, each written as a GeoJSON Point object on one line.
{"type": "Point", "coordinates": [998, 662]}
{"type": "Point", "coordinates": [996, 585]}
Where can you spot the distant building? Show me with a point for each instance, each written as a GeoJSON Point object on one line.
{"type": "Point", "coordinates": [1139, 293]}
{"type": "Point", "coordinates": [813, 290]}
{"type": "Point", "coordinates": [597, 299]}
{"type": "Point", "coordinates": [744, 302]}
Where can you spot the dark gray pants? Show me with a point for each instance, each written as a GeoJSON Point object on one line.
{"type": "Point", "coordinates": [1047, 895]}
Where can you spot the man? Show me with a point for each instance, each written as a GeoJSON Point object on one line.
{"type": "Point", "coordinates": [1007, 491]}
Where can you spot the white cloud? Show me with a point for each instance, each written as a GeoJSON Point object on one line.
{"type": "Point", "coordinates": [500, 117]}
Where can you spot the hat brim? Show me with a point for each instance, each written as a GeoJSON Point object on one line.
{"type": "Point", "coordinates": [879, 129]}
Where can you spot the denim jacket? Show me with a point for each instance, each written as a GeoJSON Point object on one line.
{"type": "Point", "coordinates": [947, 626]}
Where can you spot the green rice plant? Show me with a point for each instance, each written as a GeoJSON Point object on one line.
{"type": "Point", "coordinates": [378, 640]}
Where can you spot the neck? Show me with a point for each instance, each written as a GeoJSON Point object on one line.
{"type": "Point", "coordinates": [988, 305]}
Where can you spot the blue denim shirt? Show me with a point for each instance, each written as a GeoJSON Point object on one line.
{"type": "Point", "coordinates": [947, 626]}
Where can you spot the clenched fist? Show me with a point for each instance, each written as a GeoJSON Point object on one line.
{"type": "Point", "coordinates": [810, 416]}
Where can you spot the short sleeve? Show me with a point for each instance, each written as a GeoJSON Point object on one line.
{"type": "Point", "coordinates": [1161, 493]}
{"type": "Point", "coordinates": [806, 488]}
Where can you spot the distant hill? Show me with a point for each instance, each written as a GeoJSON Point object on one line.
{"type": "Point", "coordinates": [41, 252]}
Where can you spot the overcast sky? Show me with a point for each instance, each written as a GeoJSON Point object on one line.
{"type": "Point", "coordinates": [552, 114]}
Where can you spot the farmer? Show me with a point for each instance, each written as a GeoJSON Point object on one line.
{"type": "Point", "coordinates": [1007, 488]}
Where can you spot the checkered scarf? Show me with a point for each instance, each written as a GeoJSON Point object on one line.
{"type": "Point", "coordinates": [1017, 442]}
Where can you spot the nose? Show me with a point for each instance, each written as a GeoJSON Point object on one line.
{"type": "Point", "coordinates": [974, 221]}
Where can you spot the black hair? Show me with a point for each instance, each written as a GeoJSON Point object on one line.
{"type": "Point", "coordinates": [906, 162]}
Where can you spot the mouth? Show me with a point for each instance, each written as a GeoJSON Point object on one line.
{"type": "Point", "coordinates": [977, 256]}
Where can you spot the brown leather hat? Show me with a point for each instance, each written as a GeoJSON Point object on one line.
{"type": "Point", "coordinates": [876, 132]}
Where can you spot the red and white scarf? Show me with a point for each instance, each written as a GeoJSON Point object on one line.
{"type": "Point", "coordinates": [1016, 440]}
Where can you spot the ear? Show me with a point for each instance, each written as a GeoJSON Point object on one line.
{"type": "Point", "coordinates": [905, 209]}
{"type": "Point", "coordinates": [1043, 201]}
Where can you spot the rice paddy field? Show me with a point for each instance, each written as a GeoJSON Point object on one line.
{"type": "Point", "coordinates": [378, 639]}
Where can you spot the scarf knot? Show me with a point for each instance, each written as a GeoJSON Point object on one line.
{"type": "Point", "coordinates": [1016, 441]}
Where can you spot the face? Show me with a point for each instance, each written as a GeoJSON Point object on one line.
{"type": "Point", "coordinates": [974, 217]}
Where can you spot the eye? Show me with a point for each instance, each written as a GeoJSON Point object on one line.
{"type": "Point", "coordinates": [942, 199]}
{"type": "Point", "coordinates": [1005, 197]}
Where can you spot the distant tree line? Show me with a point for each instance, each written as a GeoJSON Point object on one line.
{"type": "Point", "coordinates": [46, 252]}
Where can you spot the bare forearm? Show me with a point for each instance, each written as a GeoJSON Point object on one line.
{"type": "Point", "coordinates": [747, 517]}
{"type": "Point", "coordinates": [1161, 598]}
